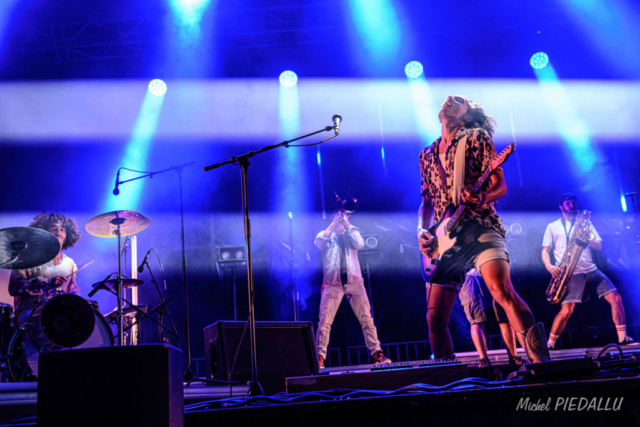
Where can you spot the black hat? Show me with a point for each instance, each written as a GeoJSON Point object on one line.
{"type": "Point", "coordinates": [567, 196]}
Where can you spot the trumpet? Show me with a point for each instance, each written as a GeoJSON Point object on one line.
{"type": "Point", "coordinates": [348, 205]}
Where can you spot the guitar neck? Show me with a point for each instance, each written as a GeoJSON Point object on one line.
{"type": "Point", "coordinates": [460, 210]}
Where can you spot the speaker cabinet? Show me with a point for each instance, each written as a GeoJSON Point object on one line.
{"type": "Point", "coordinates": [283, 349]}
{"type": "Point", "coordinates": [111, 386]}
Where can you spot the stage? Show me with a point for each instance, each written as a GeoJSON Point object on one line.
{"type": "Point", "coordinates": [448, 397]}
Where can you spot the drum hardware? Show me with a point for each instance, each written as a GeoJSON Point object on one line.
{"type": "Point", "coordinates": [26, 247]}
{"type": "Point", "coordinates": [188, 375]}
{"type": "Point", "coordinates": [118, 224]}
{"type": "Point", "coordinates": [243, 162]}
{"type": "Point", "coordinates": [131, 319]}
{"type": "Point", "coordinates": [161, 309]}
{"type": "Point", "coordinates": [130, 306]}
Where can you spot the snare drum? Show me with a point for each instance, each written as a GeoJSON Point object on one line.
{"type": "Point", "coordinates": [6, 327]}
{"type": "Point", "coordinates": [23, 353]}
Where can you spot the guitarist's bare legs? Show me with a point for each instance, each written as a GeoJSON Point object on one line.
{"type": "Point", "coordinates": [496, 275]}
{"type": "Point", "coordinates": [439, 307]}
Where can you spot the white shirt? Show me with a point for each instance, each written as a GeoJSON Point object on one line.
{"type": "Point", "coordinates": [555, 236]}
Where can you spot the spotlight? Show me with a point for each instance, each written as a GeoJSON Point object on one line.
{"type": "Point", "coordinates": [157, 87]}
{"type": "Point", "coordinates": [413, 69]}
{"type": "Point", "coordinates": [539, 60]}
{"type": "Point", "coordinates": [288, 79]}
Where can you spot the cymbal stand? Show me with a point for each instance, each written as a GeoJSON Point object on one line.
{"type": "Point", "coordinates": [243, 160]}
{"type": "Point", "coordinates": [118, 222]}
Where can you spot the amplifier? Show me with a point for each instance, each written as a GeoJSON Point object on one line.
{"type": "Point", "coordinates": [283, 349]}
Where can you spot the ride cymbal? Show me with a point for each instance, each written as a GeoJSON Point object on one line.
{"type": "Point", "coordinates": [106, 224]}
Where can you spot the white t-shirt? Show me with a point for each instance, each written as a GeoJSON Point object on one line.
{"type": "Point", "coordinates": [555, 236]}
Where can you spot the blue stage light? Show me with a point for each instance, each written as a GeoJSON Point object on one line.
{"type": "Point", "coordinates": [157, 87]}
{"type": "Point", "coordinates": [539, 60]}
{"type": "Point", "coordinates": [413, 69]}
{"type": "Point", "coordinates": [288, 79]}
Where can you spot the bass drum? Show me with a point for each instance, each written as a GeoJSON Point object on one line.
{"type": "Point", "coordinates": [6, 327]}
{"type": "Point", "coordinates": [22, 359]}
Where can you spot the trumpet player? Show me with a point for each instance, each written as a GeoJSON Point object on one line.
{"type": "Point", "coordinates": [342, 277]}
{"type": "Point", "coordinates": [586, 273]}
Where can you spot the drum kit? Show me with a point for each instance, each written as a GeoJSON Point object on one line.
{"type": "Point", "coordinates": [63, 321]}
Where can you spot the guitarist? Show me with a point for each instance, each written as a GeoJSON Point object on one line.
{"type": "Point", "coordinates": [480, 236]}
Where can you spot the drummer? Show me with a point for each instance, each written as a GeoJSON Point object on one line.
{"type": "Point", "coordinates": [30, 286]}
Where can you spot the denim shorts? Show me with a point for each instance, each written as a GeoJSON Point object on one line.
{"type": "Point", "coordinates": [480, 245]}
{"type": "Point", "coordinates": [472, 301]}
{"type": "Point", "coordinates": [593, 279]}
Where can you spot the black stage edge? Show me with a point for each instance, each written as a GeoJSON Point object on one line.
{"type": "Point", "coordinates": [616, 401]}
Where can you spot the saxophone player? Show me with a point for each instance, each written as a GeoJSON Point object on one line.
{"type": "Point", "coordinates": [586, 273]}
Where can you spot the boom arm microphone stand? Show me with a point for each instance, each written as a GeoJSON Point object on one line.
{"type": "Point", "coordinates": [243, 160]}
{"type": "Point", "coordinates": [188, 374]}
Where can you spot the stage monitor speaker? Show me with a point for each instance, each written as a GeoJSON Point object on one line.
{"type": "Point", "coordinates": [111, 386]}
{"type": "Point", "coordinates": [283, 349]}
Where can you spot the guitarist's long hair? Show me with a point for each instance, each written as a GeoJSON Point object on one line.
{"type": "Point", "coordinates": [476, 117]}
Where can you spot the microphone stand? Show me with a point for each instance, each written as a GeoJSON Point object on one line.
{"type": "Point", "coordinates": [188, 374]}
{"type": "Point", "coordinates": [294, 287]}
{"type": "Point", "coordinates": [243, 160]}
{"type": "Point", "coordinates": [161, 309]}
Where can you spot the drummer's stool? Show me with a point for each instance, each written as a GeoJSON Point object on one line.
{"type": "Point", "coordinates": [111, 386]}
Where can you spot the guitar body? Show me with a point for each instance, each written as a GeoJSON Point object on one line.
{"type": "Point", "coordinates": [444, 245]}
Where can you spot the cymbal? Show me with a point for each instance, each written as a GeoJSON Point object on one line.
{"type": "Point", "coordinates": [106, 224]}
{"type": "Point", "coordinates": [126, 283]}
{"type": "Point", "coordinates": [31, 246]}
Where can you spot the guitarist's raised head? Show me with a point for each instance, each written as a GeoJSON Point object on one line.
{"type": "Point", "coordinates": [458, 111]}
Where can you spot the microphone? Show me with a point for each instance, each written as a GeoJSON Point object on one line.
{"type": "Point", "coordinates": [115, 190]}
{"type": "Point", "coordinates": [630, 194]}
{"type": "Point", "coordinates": [337, 118]}
{"type": "Point", "coordinates": [99, 286]}
{"type": "Point", "coordinates": [144, 261]}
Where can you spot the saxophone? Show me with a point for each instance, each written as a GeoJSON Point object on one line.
{"type": "Point", "coordinates": [576, 244]}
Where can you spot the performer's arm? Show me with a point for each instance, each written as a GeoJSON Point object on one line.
{"type": "Point", "coordinates": [497, 190]}
{"type": "Point", "coordinates": [596, 243]}
{"type": "Point", "coordinates": [72, 287]}
{"type": "Point", "coordinates": [486, 153]}
{"type": "Point", "coordinates": [546, 259]}
{"type": "Point", "coordinates": [425, 215]}
{"type": "Point", "coordinates": [20, 284]}
{"type": "Point", "coordinates": [322, 239]}
{"type": "Point", "coordinates": [353, 233]}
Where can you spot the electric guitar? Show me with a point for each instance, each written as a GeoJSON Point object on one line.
{"type": "Point", "coordinates": [445, 243]}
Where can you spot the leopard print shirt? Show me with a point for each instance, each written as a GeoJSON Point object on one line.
{"type": "Point", "coordinates": [480, 152]}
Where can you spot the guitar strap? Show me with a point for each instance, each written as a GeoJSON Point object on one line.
{"type": "Point", "coordinates": [458, 170]}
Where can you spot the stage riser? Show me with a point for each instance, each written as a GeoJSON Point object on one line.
{"type": "Point", "coordinates": [380, 380]}
{"type": "Point", "coordinates": [491, 408]}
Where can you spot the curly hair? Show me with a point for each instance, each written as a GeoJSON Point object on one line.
{"type": "Point", "coordinates": [44, 221]}
{"type": "Point", "coordinates": [476, 117]}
